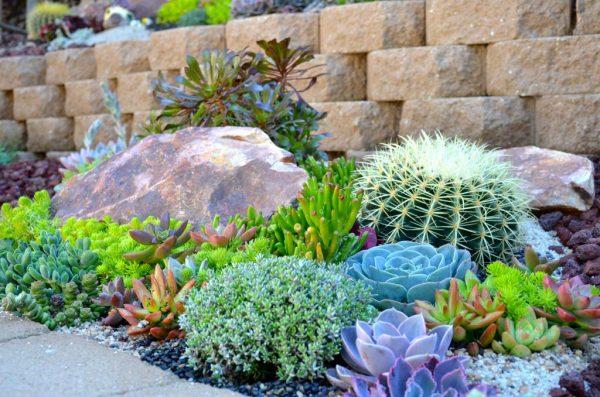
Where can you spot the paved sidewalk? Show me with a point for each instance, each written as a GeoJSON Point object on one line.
{"type": "Point", "coordinates": [35, 362]}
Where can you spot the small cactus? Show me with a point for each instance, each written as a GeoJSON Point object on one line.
{"type": "Point", "coordinates": [42, 14]}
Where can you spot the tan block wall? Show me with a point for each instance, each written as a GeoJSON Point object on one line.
{"type": "Point", "coordinates": [507, 73]}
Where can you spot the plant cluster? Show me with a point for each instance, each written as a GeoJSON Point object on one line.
{"type": "Point", "coordinates": [277, 314]}
{"type": "Point", "coordinates": [173, 10]}
{"type": "Point", "coordinates": [51, 282]}
{"type": "Point", "coordinates": [114, 295]}
{"type": "Point", "coordinates": [44, 13]}
{"type": "Point", "coordinates": [443, 191]}
{"type": "Point", "coordinates": [244, 89]}
{"type": "Point", "coordinates": [532, 262]}
{"type": "Point", "coordinates": [28, 219]}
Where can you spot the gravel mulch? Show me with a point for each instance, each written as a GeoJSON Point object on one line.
{"type": "Point", "coordinates": [577, 384]}
{"type": "Point", "coordinates": [14, 44]}
{"type": "Point", "coordinates": [27, 177]}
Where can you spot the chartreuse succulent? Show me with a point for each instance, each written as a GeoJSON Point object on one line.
{"type": "Point", "coordinates": [320, 227]}
{"type": "Point", "coordinates": [44, 13]}
{"type": "Point", "coordinates": [469, 307]}
{"type": "Point", "coordinates": [50, 281]}
{"type": "Point", "coordinates": [171, 11]}
{"type": "Point", "coordinates": [341, 170]}
{"type": "Point", "coordinates": [278, 314]}
{"type": "Point", "coordinates": [407, 271]}
{"type": "Point", "coordinates": [534, 263]}
{"type": "Point", "coordinates": [440, 191]}
{"type": "Point", "coordinates": [115, 295]}
{"type": "Point", "coordinates": [577, 313]}
{"type": "Point", "coordinates": [160, 307]}
{"type": "Point", "coordinates": [528, 334]}
{"type": "Point", "coordinates": [161, 241]}
{"type": "Point", "coordinates": [27, 219]}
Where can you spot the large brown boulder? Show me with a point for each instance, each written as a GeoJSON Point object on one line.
{"type": "Point", "coordinates": [193, 174]}
{"type": "Point", "coordinates": [553, 179]}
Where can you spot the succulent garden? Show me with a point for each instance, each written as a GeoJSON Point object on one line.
{"type": "Point", "coordinates": [421, 269]}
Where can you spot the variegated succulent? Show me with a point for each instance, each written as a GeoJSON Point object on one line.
{"type": "Point", "coordinates": [371, 350]}
{"type": "Point", "coordinates": [578, 313]}
{"type": "Point", "coordinates": [532, 262]}
{"type": "Point", "coordinates": [529, 334]}
{"type": "Point", "coordinates": [160, 239]}
{"type": "Point", "coordinates": [469, 307]}
{"type": "Point", "coordinates": [161, 306]}
{"type": "Point", "coordinates": [115, 295]}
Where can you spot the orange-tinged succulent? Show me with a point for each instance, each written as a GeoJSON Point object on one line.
{"type": "Point", "coordinates": [222, 237]}
{"type": "Point", "coordinates": [161, 306]}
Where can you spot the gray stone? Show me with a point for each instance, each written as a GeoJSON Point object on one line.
{"type": "Point", "coordinates": [182, 389]}
{"type": "Point", "coordinates": [553, 179]}
{"type": "Point", "coordinates": [13, 327]}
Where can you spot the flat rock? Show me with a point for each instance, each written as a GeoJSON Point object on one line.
{"type": "Point", "coordinates": [554, 180]}
{"type": "Point", "coordinates": [13, 327]}
{"type": "Point", "coordinates": [193, 174]}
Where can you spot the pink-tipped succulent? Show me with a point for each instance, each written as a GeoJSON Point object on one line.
{"type": "Point", "coordinates": [219, 236]}
{"type": "Point", "coordinates": [161, 306]}
{"type": "Point", "coordinates": [578, 313]}
{"type": "Point", "coordinates": [115, 295]}
{"type": "Point", "coordinates": [160, 239]}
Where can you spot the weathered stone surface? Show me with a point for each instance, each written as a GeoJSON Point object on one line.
{"type": "Point", "coordinates": [54, 133]}
{"type": "Point", "coordinates": [106, 132]}
{"type": "Point", "coordinates": [553, 179]}
{"type": "Point", "coordinates": [122, 57]}
{"type": "Point", "coordinates": [21, 71]}
{"type": "Point", "coordinates": [302, 28]}
{"type": "Point", "coordinates": [70, 65]}
{"type": "Point", "coordinates": [135, 92]}
{"type": "Point", "coordinates": [588, 17]}
{"type": "Point", "coordinates": [39, 102]}
{"type": "Point", "coordinates": [6, 105]}
{"type": "Point", "coordinates": [193, 174]}
{"type": "Point", "coordinates": [85, 97]}
{"type": "Point", "coordinates": [13, 327]}
{"type": "Point", "coordinates": [425, 72]}
{"type": "Point", "coordinates": [365, 27]}
{"type": "Point", "coordinates": [557, 65]}
{"type": "Point", "coordinates": [12, 134]}
{"type": "Point", "coordinates": [182, 389]}
{"type": "Point", "coordinates": [569, 122]}
{"type": "Point", "coordinates": [496, 121]}
{"type": "Point", "coordinates": [489, 21]}
{"type": "Point", "coordinates": [344, 78]}
{"type": "Point", "coordinates": [170, 47]}
{"type": "Point", "coordinates": [357, 125]}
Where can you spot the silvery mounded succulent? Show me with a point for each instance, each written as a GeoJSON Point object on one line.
{"type": "Point", "coordinates": [403, 272]}
{"type": "Point", "coordinates": [371, 350]}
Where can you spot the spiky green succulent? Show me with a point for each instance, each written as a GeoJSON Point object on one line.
{"type": "Point", "coordinates": [529, 334]}
{"type": "Point", "coordinates": [342, 170]}
{"type": "Point", "coordinates": [443, 191]}
{"type": "Point", "coordinates": [44, 13]}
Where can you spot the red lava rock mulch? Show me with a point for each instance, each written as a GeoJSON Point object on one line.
{"type": "Point", "coordinates": [581, 233]}
{"type": "Point", "coordinates": [27, 177]}
{"type": "Point", "coordinates": [573, 384]}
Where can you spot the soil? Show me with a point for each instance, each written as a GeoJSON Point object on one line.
{"type": "Point", "coordinates": [27, 177]}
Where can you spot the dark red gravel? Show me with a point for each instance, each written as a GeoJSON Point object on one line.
{"type": "Point", "coordinates": [581, 233]}
{"type": "Point", "coordinates": [14, 44]}
{"type": "Point", "coordinates": [27, 177]}
{"type": "Point", "coordinates": [580, 384]}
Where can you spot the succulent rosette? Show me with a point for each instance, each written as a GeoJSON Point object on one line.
{"type": "Point", "coordinates": [403, 272]}
{"type": "Point", "coordinates": [371, 350]}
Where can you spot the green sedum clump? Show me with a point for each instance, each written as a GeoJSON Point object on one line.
{"type": "Point", "coordinates": [519, 290]}
{"type": "Point", "coordinates": [28, 219]}
{"type": "Point", "coordinates": [171, 11]}
{"type": "Point", "coordinates": [281, 314]}
{"type": "Point", "coordinates": [221, 257]}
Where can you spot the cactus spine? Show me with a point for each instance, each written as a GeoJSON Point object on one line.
{"type": "Point", "coordinates": [43, 14]}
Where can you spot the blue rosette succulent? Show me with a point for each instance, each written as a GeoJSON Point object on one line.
{"type": "Point", "coordinates": [403, 272]}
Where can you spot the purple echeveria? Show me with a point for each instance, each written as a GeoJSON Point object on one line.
{"type": "Point", "coordinates": [371, 350]}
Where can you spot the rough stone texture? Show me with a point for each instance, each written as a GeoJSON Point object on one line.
{"type": "Point", "coordinates": [588, 17]}
{"type": "Point", "coordinates": [135, 92]}
{"type": "Point", "coordinates": [85, 97]}
{"type": "Point", "coordinates": [121, 57]}
{"type": "Point", "coordinates": [182, 389]}
{"type": "Point", "coordinates": [555, 180]}
{"type": "Point", "coordinates": [569, 122]}
{"type": "Point", "coordinates": [303, 28]}
{"type": "Point", "coordinates": [357, 125]}
{"type": "Point", "coordinates": [55, 133]}
{"type": "Point", "coordinates": [6, 105]}
{"type": "Point", "coordinates": [70, 65]}
{"type": "Point", "coordinates": [22, 71]}
{"type": "Point", "coordinates": [425, 72]}
{"type": "Point", "coordinates": [39, 102]}
{"type": "Point", "coordinates": [365, 27]}
{"type": "Point", "coordinates": [557, 65]}
{"type": "Point", "coordinates": [344, 78]}
{"type": "Point", "coordinates": [71, 366]}
{"type": "Point", "coordinates": [489, 21]}
{"type": "Point", "coordinates": [106, 132]}
{"type": "Point", "coordinates": [14, 327]}
{"type": "Point", "coordinates": [193, 174]}
{"type": "Point", "coordinates": [497, 121]}
{"type": "Point", "coordinates": [170, 47]}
